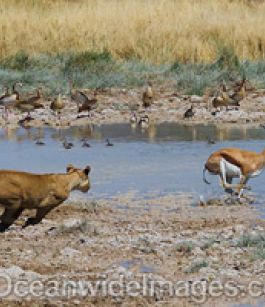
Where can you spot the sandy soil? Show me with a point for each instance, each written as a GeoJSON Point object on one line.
{"type": "Point", "coordinates": [116, 105]}
{"type": "Point", "coordinates": [130, 238]}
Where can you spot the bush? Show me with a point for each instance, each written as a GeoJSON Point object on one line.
{"type": "Point", "coordinates": [196, 266]}
{"type": "Point", "coordinates": [227, 59]}
{"type": "Point", "coordinates": [19, 61]}
{"type": "Point", "coordinates": [184, 247]}
{"type": "Point", "coordinates": [92, 61]}
{"type": "Point", "coordinates": [252, 241]}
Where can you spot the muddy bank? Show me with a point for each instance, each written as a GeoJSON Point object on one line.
{"type": "Point", "coordinates": [117, 105]}
{"type": "Point", "coordinates": [127, 238]}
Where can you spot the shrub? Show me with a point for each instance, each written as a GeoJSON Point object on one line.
{"type": "Point", "coordinates": [196, 266]}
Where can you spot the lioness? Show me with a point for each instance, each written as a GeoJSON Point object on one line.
{"type": "Point", "coordinates": [21, 190]}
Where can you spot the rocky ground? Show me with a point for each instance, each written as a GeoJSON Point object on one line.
{"type": "Point", "coordinates": [116, 105]}
{"type": "Point", "coordinates": [153, 242]}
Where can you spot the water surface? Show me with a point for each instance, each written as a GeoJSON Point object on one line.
{"type": "Point", "coordinates": [167, 158]}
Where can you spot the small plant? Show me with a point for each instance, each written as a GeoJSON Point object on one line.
{"type": "Point", "coordinates": [259, 253]}
{"type": "Point", "coordinates": [91, 207]}
{"type": "Point", "coordinates": [196, 266]}
{"type": "Point", "coordinates": [184, 247]}
{"type": "Point", "coordinates": [249, 240]}
{"type": "Point", "coordinates": [83, 225]}
{"type": "Point", "coordinates": [19, 61]}
{"type": "Point", "coordinates": [88, 206]}
{"type": "Point", "coordinates": [227, 58]}
{"type": "Point", "coordinates": [207, 244]}
{"type": "Point", "coordinates": [176, 66]}
{"type": "Point", "coordinates": [88, 60]}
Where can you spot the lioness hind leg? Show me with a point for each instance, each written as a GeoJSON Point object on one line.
{"type": "Point", "coordinates": [8, 218]}
{"type": "Point", "coordinates": [41, 213]}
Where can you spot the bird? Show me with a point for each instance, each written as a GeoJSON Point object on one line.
{"type": "Point", "coordinates": [133, 118]}
{"type": "Point", "coordinates": [24, 121]}
{"type": "Point", "coordinates": [189, 113]}
{"type": "Point", "coordinates": [224, 99]}
{"type": "Point", "coordinates": [2, 101]}
{"type": "Point", "coordinates": [67, 145]}
{"type": "Point", "coordinates": [210, 141]}
{"type": "Point", "coordinates": [214, 113]}
{"type": "Point", "coordinates": [81, 99]}
{"type": "Point", "coordinates": [57, 104]}
{"type": "Point", "coordinates": [6, 93]}
{"type": "Point", "coordinates": [240, 91]}
{"type": "Point", "coordinates": [25, 106]}
{"type": "Point", "coordinates": [9, 99]}
{"type": "Point", "coordinates": [88, 104]}
{"type": "Point", "coordinates": [86, 144]}
{"type": "Point", "coordinates": [15, 94]}
{"type": "Point", "coordinates": [148, 96]}
{"type": "Point", "coordinates": [37, 98]}
{"type": "Point", "coordinates": [108, 143]}
{"type": "Point", "coordinates": [39, 142]}
{"type": "Point", "coordinates": [144, 121]}
{"type": "Point", "coordinates": [78, 96]}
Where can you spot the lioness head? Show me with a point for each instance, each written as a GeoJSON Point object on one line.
{"type": "Point", "coordinates": [83, 183]}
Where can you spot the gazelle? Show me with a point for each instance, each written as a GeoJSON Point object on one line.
{"type": "Point", "coordinates": [231, 163]}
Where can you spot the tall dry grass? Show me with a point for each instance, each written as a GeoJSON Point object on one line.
{"type": "Point", "coordinates": [160, 31]}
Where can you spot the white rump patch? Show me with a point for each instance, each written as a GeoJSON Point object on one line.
{"type": "Point", "coordinates": [256, 173]}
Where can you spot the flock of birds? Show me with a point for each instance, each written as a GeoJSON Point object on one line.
{"type": "Point", "coordinates": [70, 145]}
{"type": "Point", "coordinates": [12, 100]}
{"type": "Point", "coordinates": [223, 98]}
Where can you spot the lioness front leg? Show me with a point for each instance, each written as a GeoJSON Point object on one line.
{"type": "Point", "coordinates": [51, 201]}
{"type": "Point", "coordinates": [8, 217]}
{"type": "Point", "coordinates": [41, 213]}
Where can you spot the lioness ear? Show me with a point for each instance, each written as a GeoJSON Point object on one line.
{"type": "Point", "coordinates": [87, 170]}
{"type": "Point", "coordinates": [70, 168]}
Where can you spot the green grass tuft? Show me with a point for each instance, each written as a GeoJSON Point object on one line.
{"type": "Point", "coordinates": [184, 247]}
{"type": "Point", "coordinates": [196, 266]}
{"type": "Point", "coordinates": [248, 240]}
{"type": "Point", "coordinates": [100, 70]}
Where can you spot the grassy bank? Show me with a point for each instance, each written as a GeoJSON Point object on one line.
{"type": "Point", "coordinates": [153, 30]}
{"type": "Point", "coordinates": [92, 70]}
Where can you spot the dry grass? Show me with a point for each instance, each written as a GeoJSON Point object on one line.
{"type": "Point", "coordinates": [159, 31]}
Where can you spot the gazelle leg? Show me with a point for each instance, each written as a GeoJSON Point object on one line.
{"type": "Point", "coordinates": [223, 177]}
{"type": "Point", "coordinates": [242, 185]}
{"type": "Point", "coordinates": [224, 182]}
{"type": "Point", "coordinates": [229, 181]}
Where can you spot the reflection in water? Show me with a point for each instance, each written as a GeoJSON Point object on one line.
{"type": "Point", "coordinates": [162, 132]}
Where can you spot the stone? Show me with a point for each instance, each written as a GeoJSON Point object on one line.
{"type": "Point", "coordinates": [229, 273]}
{"type": "Point", "coordinates": [196, 99]}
